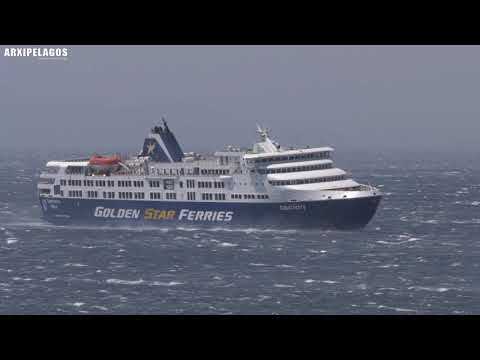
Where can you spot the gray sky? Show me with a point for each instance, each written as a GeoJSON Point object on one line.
{"type": "Point", "coordinates": [351, 97]}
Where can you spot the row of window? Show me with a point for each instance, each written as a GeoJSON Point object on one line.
{"type": "Point", "coordinates": [74, 170]}
{"type": "Point", "coordinates": [215, 196]}
{"type": "Point", "coordinates": [208, 184]}
{"type": "Point", "coordinates": [154, 184]}
{"type": "Point", "coordinates": [92, 194]}
{"type": "Point", "coordinates": [158, 196]}
{"type": "Point", "coordinates": [249, 196]}
{"type": "Point", "coordinates": [131, 195]}
{"type": "Point", "coordinates": [306, 181]}
{"type": "Point", "coordinates": [171, 196]}
{"type": "Point", "coordinates": [75, 193]}
{"type": "Point", "coordinates": [295, 169]}
{"type": "Point", "coordinates": [87, 182]}
{"type": "Point", "coordinates": [214, 171]}
{"type": "Point", "coordinates": [319, 155]}
{"type": "Point", "coordinates": [125, 195]}
{"type": "Point", "coordinates": [139, 195]}
{"type": "Point", "coordinates": [155, 196]}
{"type": "Point", "coordinates": [196, 171]}
{"type": "Point", "coordinates": [168, 184]}
{"type": "Point", "coordinates": [71, 182]}
{"type": "Point", "coordinates": [108, 195]}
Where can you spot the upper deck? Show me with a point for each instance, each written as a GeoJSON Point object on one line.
{"type": "Point", "coordinates": [295, 154]}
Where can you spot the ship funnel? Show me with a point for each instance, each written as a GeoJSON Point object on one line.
{"type": "Point", "coordinates": [161, 145]}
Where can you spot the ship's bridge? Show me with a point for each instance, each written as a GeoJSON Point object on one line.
{"type": "Point", "coordinates": [336, 173]}
{"type": "Point", "coordinates": [289, 155]}
{"type": "Point", "coordinates": [299, 164]}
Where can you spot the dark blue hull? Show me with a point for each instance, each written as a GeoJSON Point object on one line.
{"type": "Point", "coordinates": [329, 214]}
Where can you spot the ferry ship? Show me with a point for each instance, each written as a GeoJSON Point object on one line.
{"type": "Point", "coordinates": [265, 186]}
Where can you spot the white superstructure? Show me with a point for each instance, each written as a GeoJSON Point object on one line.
{"type": "Point", "coordinates": [265, 173]}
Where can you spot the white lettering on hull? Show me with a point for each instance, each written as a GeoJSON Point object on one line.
{"type": "Point", "coordinates": [100, 211]}
{"type": "Point", "coordinates": [192, 215]}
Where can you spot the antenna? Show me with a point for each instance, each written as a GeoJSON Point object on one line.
{"type": "Point", "coordinates": [165, 124]}
{"type": "Point", "coordinates": [263, 132]}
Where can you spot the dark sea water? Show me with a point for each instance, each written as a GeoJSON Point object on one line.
{"type": "Point", "coordinates": [419, 255]}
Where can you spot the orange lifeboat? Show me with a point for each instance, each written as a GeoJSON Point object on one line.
{"type": "Point", "coordinates": [104, 161]}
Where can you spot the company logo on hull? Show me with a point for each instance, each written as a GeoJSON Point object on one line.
{"type": "Point", "coordinates": [116, 213]}
{"type": "Point", "coordinates": [157, 214]}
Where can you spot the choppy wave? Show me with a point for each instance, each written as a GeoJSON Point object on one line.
{"type": "Point", "coordinates": [418, 255]}
{"type": "Point", "coordinates": [143, 282]}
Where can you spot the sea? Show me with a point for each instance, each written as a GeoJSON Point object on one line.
{"type": "Point", "coordinates": [419, 255]}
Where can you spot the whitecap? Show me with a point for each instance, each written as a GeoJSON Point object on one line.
{"type": "Point", "coordinates": [428, 288]}
{"type": "Point", "coordinates": [125, 282]}
{"type": "Point", "coordinates": [75, 265]}
{"type": "Point", "coordinates": [387, 266]}
{"type": "Point", "coordinates": [395, 309]}
{"type": "Point", "coordinates": [283, 286]}
{"type": "Point", "coordinates": [227, 244]}
{"type": "Point", "coordinates": [473, 221]}
{"type": "Point", "coordinates": [329, 282]}
{"type": "Point", "coordinates": [171, 283]}
{"type": "Point", "coordinates": [384, 242]}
